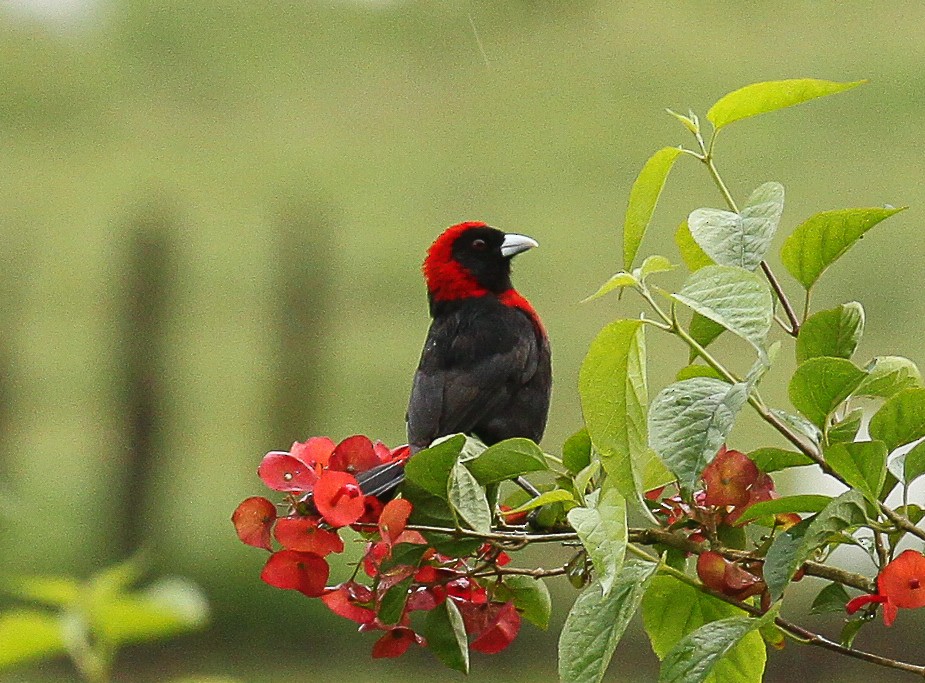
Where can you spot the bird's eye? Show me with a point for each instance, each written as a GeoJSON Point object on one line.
{"type": "Point", "coordinates": [479, 245]}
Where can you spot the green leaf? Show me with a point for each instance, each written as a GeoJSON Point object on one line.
{"type": "Point", "coordinates": [693, 256]}
{"type": "Point", "coordinates": [800, 424]}
{"type": "Point", "coordinates": [393, 602]}
{"type": "Point", "coordinates": [546, 498]}
{"type": "Point", "coordinates": [652, 265]}
{"type": "Point", "coordinates": [776, 459]}
{"type": "Point", "coordinates": [761, 98]}
{"type": "Point", "coordinates": [614, 396]}
{"type": "Point", "coordinates": [690, 122]}
{"type": "Point", "coordinates": [823, 238]}
{"type": "Point", "coordinates": [832, 598]}
{"type": "Point", "coordinates": [167, 607]}
{"type": "Point", "coordinates": [54, 591]}
{"type": "Point", "coordinates": [596, 623]}
{"type": "Point", "coordinates": [821, 384]}
{"type": "Point", "coordinates": [468, 499]}
{"type": "Point", "coordinates": [846, 430]}
{"type": "Point", "coordinates": [734, 298]}
{"type": "Point", "coordinates": [861, 464]}
{"type": "Point", "coordinates": [430, 468]}
{"type": "Point", "coordinates": [27, 635]}
{"type": "Point", "coordinates": [901, 419]}
{"type": "Point", "coordinates": [576, 451]}
{"type": "Point", "coordinates": [888, 375]}
{"type": "Point", "coordinates": [617, 281]}
{"type": "Point", "coordinates": [914, 463]}
{"type": "Point", "coordinates": [643, 197]}
{"type": "Point", "coordinates": [446, 636]}
{"type": "Point", "coordinates": [506, 460]}
{"type": "Point", "coordinates": [690, 420]}
{"type": "Point", "coordinates": [531, 598]}
{"type": "Point", "coordinates": [698, 653]}
{"type": "Point", "coordinates": [791, 548]}
{"type": "Point", "coordinates": [835, 332]}
{"type": "Point", "coordinates": [803, 503]}
{"type": "Point", "coordinates": [671, 610]}
{"type": "Point", "coordinates": [703, 331]}
{"type": "Point", "coordinates": [742, 240]}
{"type": "Point", "coordinates": [850, 631]}
{"type": "Point", "coordinates": [697, 370]}
{"type": "Point", "coordinates": [602, 531]}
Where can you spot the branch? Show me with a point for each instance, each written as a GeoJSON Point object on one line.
{"type": "Point", "coordinates": [801, 634]}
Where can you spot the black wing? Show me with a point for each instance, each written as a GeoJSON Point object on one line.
{"type": "Point", "coordinates": [477, 358]}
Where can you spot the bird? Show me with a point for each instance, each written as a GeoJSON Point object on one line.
{"type": "Point", "coordinates": [485, 369]}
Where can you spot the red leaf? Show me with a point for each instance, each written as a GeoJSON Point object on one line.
{"type": "Point", "coordinates": [253, 519]}
{"type": "Point", "coordinates": [393, 519]}
{"type": "Point", "coordinates": [281, 472]}
{"type": "Point", "coordinates": [394, 643]}
{"type": "Point", "coordinates": [315, 452]}
{"type": "Point", "coordinates": [354, 454]}
{"type": "Point", "coordinates": [303, 534]}
{"type": "Point", "coordinates": [339, 499]}
{"type": "Point", "coordinates": [500, 633]}
{"type": "Point", "coordinates": [294, 570]}
{"type": "Point", "coordinates": [343, 603]}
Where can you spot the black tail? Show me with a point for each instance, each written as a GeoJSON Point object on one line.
{"type": "Point", "coordinates": [382, 480]}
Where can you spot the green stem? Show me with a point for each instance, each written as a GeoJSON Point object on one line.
{"type": "Point", "coordinates": [707, 160]}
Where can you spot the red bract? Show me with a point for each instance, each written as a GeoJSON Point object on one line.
{"type": "Point", "coordinates": [294, 570]}
{"type": "Point", "coordinates": [900, 584]}
{"type": "Point", "coordinates": [354, 454]}
{"type": "Point", "coordinates": [338, 498]}
{"type": "Point", "coordinates": [302, 533]}
{"type": "Point", "coordinates": [253, 519]}
{"type": "Point", "coordinates": [394, 643]}
{"type": "Point", "coordinates": [393, 519]}
{"type": "Point", "coordinates": [499, 632]}
{"type": "Point", "coordinates": [282, 472]}
{"type": "Point", "coordinates": [728, 478]}
{"type": "Point", "coordinates": [342, 601]}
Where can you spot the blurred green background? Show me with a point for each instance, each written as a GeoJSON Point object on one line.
{"type": "Point", "coordinates": [213, 215]}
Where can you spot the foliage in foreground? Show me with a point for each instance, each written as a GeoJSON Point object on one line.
{"type": "Point", "coordinates": [716, 546]}
{"type": "Point", "coordinates": [89, 621]}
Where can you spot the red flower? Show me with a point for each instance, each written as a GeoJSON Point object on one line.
{"type": "Point", "coordinates": [354, 454]}
{"type": "Point", "coordinates": [282, 472]}
{"type": "Point", "coordinates": [253, 519]}
{"type": "Point", "coordinates": [726, 577]}
{"type": "Point", "coordinates": [339, 499]}
{"type": "Point", "coordinates": [728, 478]}
{"type": "Point", "coordinates": [303, 534]}
{"type": "Point", "coordinates": [500, 630]}
{"type": "Point", "coordinates": [343, 602]}
{"type": "Point", "coordinates": [294, 570]}
{"type": "Point", "coordinates": [393, 519]}
{"type": "Point", "coordinates": [900, 584]}
{"type": "Point", "coordinates": [315, 452]}
{"type": "Point", "coordinates": [394, 643]}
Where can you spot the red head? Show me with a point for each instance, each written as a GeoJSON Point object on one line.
{"type": "Point", "coordinates": [471, 259]}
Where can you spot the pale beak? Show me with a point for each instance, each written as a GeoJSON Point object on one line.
{"type": "Point", "coordinates": [513, 244]}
